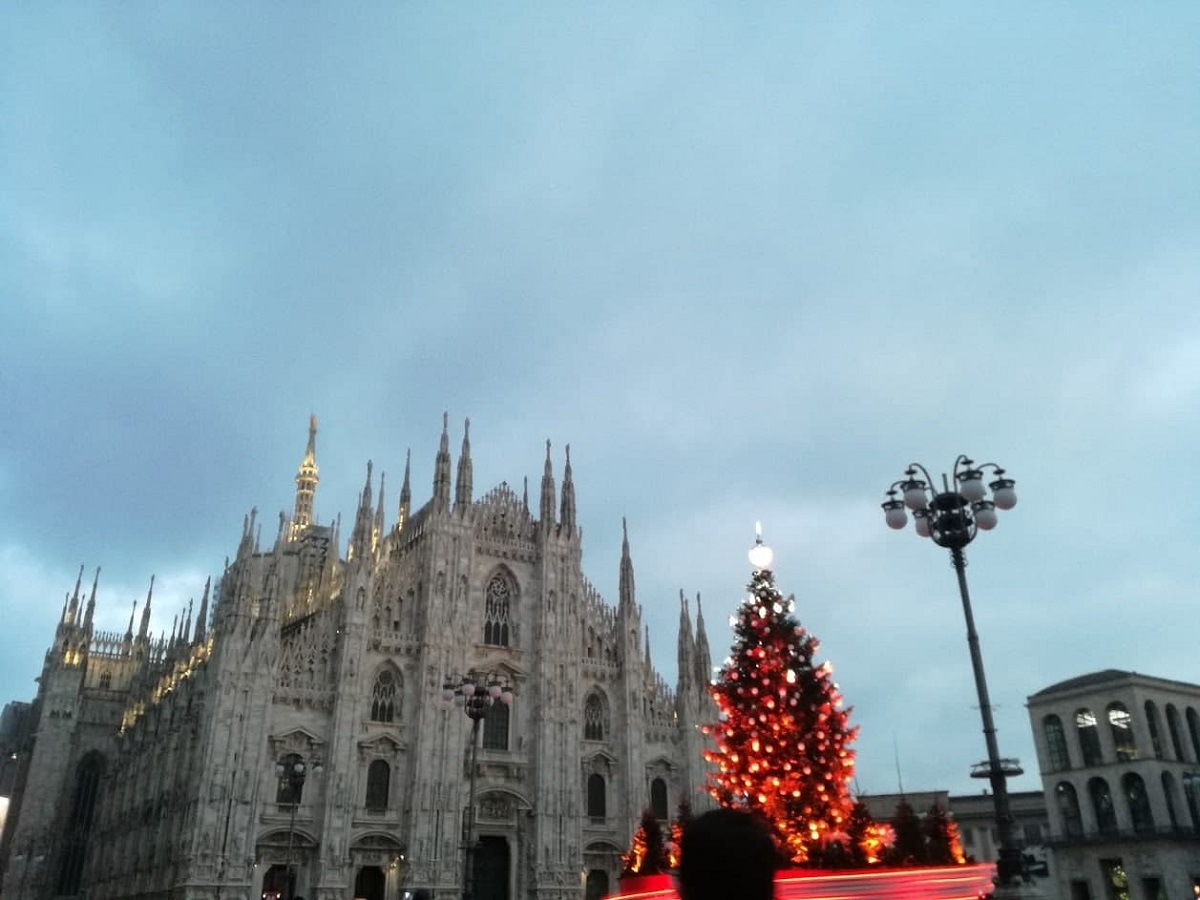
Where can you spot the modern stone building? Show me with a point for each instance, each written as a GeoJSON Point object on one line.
{"type": "Point", "coordinates": [151, 771]}
{"type": "Point", "coordinates": [1119, 754]}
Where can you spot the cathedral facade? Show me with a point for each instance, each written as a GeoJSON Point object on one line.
{"type": "Point", "coordinates": [303, 735]}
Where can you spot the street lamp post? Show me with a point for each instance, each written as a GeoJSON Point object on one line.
{"type": "Point", "coordinates": [951, 518]}
{"type": "Point", "coordinates": [295, 773]}
{"type": "Point", "coordinates": [475, 694]}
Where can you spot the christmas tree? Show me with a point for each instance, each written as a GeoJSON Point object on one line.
{"type": "Point", "coordinates": [648, 852]}
{"type": "Point", "coordinates": [942, 840]}
{"type": "Point", "coordinates": [909, 849]}
{"type": "Point", "coordinates": [783, 739]}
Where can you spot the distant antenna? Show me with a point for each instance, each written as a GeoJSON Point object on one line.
{"type": "Point", "coordinates": [896, 754]}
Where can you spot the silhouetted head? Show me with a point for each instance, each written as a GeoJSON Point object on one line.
{"type": "Point", "coordinates": [727, 854]}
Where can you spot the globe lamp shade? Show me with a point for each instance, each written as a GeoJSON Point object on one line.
{"type": "Point", "coordinates": [985, 515]}
{"type": "Point", "coordinates": [1003, 493]}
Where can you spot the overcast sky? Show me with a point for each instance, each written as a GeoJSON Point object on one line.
{"type": "Point", "coordinates": [749, 262]}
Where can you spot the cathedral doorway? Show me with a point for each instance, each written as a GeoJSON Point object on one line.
{"type": "Point", "coordinates": [370, 883]}
{"type": "Point", "coordinates": [279, 883]}
{"type": "Point", "coordinates": [491, 868]}
{"type": "Point", "coordinates": [597, 885]}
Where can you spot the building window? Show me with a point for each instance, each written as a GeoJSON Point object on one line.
{"type": "Point", "coordinates": [1168, 786]}
{"type": "Point", "coordinates": [1068, 809]}
{"type": "Point", "coordinates": [1056, 743]}
{"type": "Point", "coordinates": [593, 718]}
{"type": "Point", "coordinates": [1102, 806]}
{"type": "Point", "coordinates": [1191, 793]}
{"type": "Point", "coordinates": [1173, 730]}
{"type": "Point", "coordinates": [597, 807]}
{"type": "Point", "coordinates": [658, 799]}
{"type": "Point", "coordinates": [495, 727]}
{"type": "Point", "coordinates": [285, 794]}
{"type": "Point", "coordinates": [1080, 890]}
{"type": "Point", "coordinates": [497, 606]}
{"type": "Point", "coordinates": [1120, 723]}
{"type": "Point", "coordinates": [383, 697]}
{"type": "Point", "coordinates": [1139, 803]}
{"type": "Point", "coordinates": [79, 825]}
{"type": "Point", "coordinates": [1193, 727]}
{"type": "Point", "coordinates": [1152, 726]}
{"type": "Point", "coordinates": [105, 681]}
{"type": "Point", "coordinates": [1089, 737]}
{"type": "Point", "coordinates": [379, 779]}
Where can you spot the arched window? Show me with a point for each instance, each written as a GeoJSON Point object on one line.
{"type": "Point", "coordinates": [1168, 786]}
{"type": "Point", "coordinates": [1173, 730]}
{"type": "Point", "coordinates": [1056, 743]}
{"type": "Point", "coordinates": [593, 718]}
{"type": "Point", "coordinates": [1193, 727]}
{"type": "Point", "coordinates": [597, 805]}
{"type": "Point", "coordinates": [383, 697]}
{"type": "Point", "coordinates": [1152, 725]}
{"type": "Point", "coordinates": [658, 799]}
{"type": "Point", "coordinates": [379, 780]}
{"type": "Point", "coordinates": [79, 825]}
{"type": "Point", "coordinates": [1120, 723]}
{"type": "Point", "coordinates": [497, 607]}
{"type": "Point", "coordinates": [1191, 793]}
{"type": "Point", "coordinates": [1089, 737]}
{"type": "Point", "coordinates": [495, 727]}
{"type": "Point", "coordinates": [105, 681]}
{"type": "Point", "coordinates": [285, 793]}
{"type": "Point", "coordinates": [1068, 809]}
{"type": "Point", "coordinates": [1139, 803]}
{"type": "Point", "coordinates": [1102, 805]}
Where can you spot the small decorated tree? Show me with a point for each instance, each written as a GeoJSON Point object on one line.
{"type": "Point", "coordinates": [783, 739]}
{"type": "Point", "coordinates": [683, 816]}
{"type": "Point", "coordinates": [648, 851]}
{"type": "Point", "coordinates": [909, 849]}
{"type": "Point", "coordinates": [942, 840]}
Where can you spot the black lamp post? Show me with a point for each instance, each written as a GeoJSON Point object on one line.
{"type": "Point", "coordinates": [951, 518]}
{"type": "Point", "coordinates": [295, 772]}
{"type": "Point", "coordinates": [474, 694]}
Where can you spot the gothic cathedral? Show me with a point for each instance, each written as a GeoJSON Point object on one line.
{"type": "Point", "coordinates": [319, 735]}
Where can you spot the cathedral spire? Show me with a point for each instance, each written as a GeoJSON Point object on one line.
{"type": "Point", "coordinates": [144, 629]}
{"type": "Point", "coordinates": [546, 506]}
{"type": "Point", "coordinates": [441, 468]}
{"type": "Point", "coordinates": [462, 486]}
{"type": "Point", "coordinates": [405, 493]}
{"type": "Point", "coordinates": [566, 515]}
{"type": "Point", "coordinates": [186, 631]}
{"type": "Point", "coordinates": [687, 646]}
{"type": "Point", "coordinates": [360, 537]}
{"type": "Point", "coordinates": [306, 483]}
{"type": "Point", "coordinates": [72, 617]}
{"type": "Point", "coordinates": [625, 600]}
{"type": "Point", "coordinates": [649, 663]}
{"type": "Point", "coordinates": [129, 630]}
{"type": "Point", "coordinates": [703, 655]}
{"type": "Point", "coordinates": [90, 612]}
{"type": "Point", "coordinates": [201, 631]}
{"type": "Point", "coordinates": [377, 528]}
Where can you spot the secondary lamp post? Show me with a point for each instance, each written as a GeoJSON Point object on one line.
{"type": "Point", "coordinates": [294, 772]}
{"type": "Point", "coordinates": [475, 695]}
{"type": "Point", "coordinates": [951, 518]}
